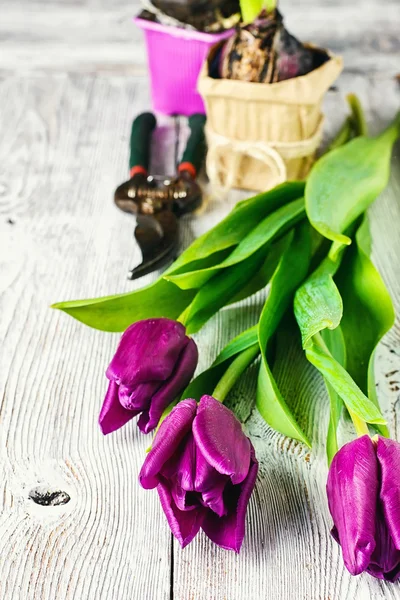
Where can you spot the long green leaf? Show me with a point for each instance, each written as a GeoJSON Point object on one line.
{"type": "Point", "coordinates": [246, 215]}
{"type": "Point", "coordinates": [344, 182]}
{"type": "Point", "coordinates": [264, 274]}
{"type": "Point", "coordinates": [291, 271]}
{"type": "Point", "coordinates": [219, 291]}
{"type": "Point", "coordinates": [343, 384]}
{"type": "Point", "coordinates": [334, 341]}
{"type": "Point", "coordinates": [116, 313]}
{"type": "Point", "coordinates": [270, 228]}
{"type": "Point", "coordinates": [241, 342]}
{"type": "Point", "coordinates": [317, 303]}
{"type": "Point", "coordinates": [368, 311]}
{"type": "Point", "coordinates": [273, 407]}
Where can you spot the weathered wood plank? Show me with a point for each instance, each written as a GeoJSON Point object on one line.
{"type": "Point", "coordinates": [70, 136]}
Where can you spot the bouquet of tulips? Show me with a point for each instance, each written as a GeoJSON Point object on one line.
{"type": "Point", "coordinates": [310, 243]}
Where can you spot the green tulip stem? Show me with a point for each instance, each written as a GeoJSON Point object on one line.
{"type": "Point", "coordinates": [359, 425]}
{"type": "Point", "coordinates": [342, 136]}
{"type": "Point", "coordinates": [234, 371]}
{"type": "Point", "coordinates": [227, 381]}
{"type": "Point", "coordinates": [182, 316]}
{"type": "Point", "coordinates": [357, 115]}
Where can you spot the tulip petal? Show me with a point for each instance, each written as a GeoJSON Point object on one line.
{"type": "Point", "coordinates": [211, 485]}
{"type": "Point", "coordinates": [171, 433]}
{"type": "Point", "coordinates": [388, 454]}
{"type": "Point", "coordinates": [385, 560]}
{"type": "Point", "coordinates": [352, 490]}
{"type": "Point", "coordinates": [112, 414]}
{"type": "Point", "coordinates": [193, 481]}
{"type": "Point", "coordinates": [228, 531]}
{"type": "Point", "coordinates": [219, 436]}
{"type": "Point", "coordinates": [171, 389]}
{"type": "Point", "coordinates": [148, 351]}
{"type": "Point", "coordinates": [184, 500]}
{"type": "Point", "coordinates": [181, 466]}
{"type": "Point", "coordinates": [140, 397]}
{"type": "Point", "coordinates": [179, 471]}
{"type": "Point", "coordinates": [184, 524]}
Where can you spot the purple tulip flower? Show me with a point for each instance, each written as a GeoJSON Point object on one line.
{"type": "Point", "coordinates": [205, 469]}
{"type": "Point", "coordinates": [364, 500]}
{"type": "Point", "coordinates": [153, 364]}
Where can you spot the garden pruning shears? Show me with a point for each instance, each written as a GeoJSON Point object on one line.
{"type": "Point", "coordinates": [159, 201]}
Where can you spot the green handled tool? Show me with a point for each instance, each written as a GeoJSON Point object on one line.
{"type": "Point", "coordinates": [156, 201]}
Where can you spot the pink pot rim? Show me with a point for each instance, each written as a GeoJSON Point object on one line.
{"type": "Point", "coordinates": [179, 32]}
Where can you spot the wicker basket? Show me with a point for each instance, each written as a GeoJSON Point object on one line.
{"type": "Point", "coordinates": [261, 134]}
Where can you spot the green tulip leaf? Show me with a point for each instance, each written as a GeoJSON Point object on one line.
{"type": "Point", "coordinates": [317, 303]}
{"type": "Point", "coordinates": [335, 343]}
{"type": "Point", "coordinates": [241, 342]}
{"type": "Point", "coordinates": [319, 306]}
{"type": "Point", "coordinates": [264, 274]}
{"type": "Point", "coordinates": [344, 182]}
{"type": "Point", "coordinates": [262, 235]}
{"type": "Point", "coordinates": [290, 272]}
{"type": "Point", "coordinates": [246, 215]}
{"type": "Point", "coordinates": [337, 376]}
{"type": "Point", "coordinates": [368, 311]}
{"type": "Point", "coordinates": [219, 291]}
{"type": "Point", "coordinates": [116, 313]}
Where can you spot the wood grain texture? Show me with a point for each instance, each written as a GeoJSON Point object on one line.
{"type": "Point", "coordinates": [64, 226]}
{"type": "Point", "coordinates": [67, 96]}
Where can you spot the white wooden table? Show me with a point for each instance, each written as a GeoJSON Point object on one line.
{"type": "Point", "coordinates": [72, 76]}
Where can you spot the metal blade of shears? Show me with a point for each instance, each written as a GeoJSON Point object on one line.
{"type": "Point", "coordinates": [157, 236]}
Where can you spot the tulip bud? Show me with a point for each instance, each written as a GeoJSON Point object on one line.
{"type": "Point", "coordinates": [205, 469]}
{"type": "Point", "coordinates": [363, 491]}
{"type": "Point", "coordinates": [153, 364]}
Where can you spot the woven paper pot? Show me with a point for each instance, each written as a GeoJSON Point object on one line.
{"type": "Point", "coordinates": [175, 57]}
{"type": "Point", "coordinates": [260, 134]}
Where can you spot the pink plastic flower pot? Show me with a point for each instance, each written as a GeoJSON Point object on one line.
{"type": "Point", "coordinates": [175, 57]}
